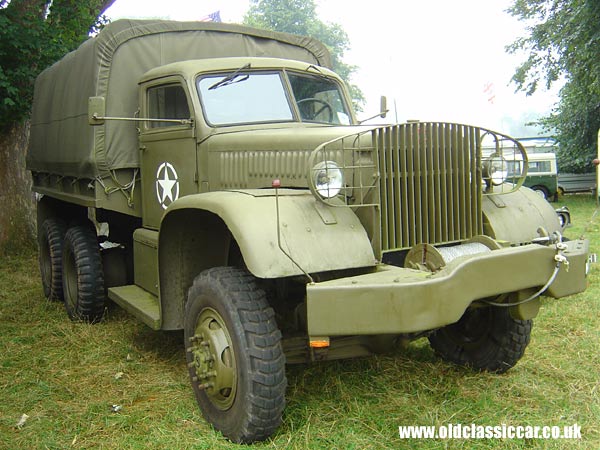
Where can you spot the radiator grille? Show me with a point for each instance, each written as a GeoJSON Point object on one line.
{"type": "Point", "coordinates": [430, 183]}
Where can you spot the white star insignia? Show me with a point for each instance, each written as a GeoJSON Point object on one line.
{"type": "Point", "coordinates": [167, 185]}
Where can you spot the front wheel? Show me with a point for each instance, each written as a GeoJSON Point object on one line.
{"type": "Point", "coordinates": [486, 338]}
{"type": "Point", "coordinates": [234, 354]}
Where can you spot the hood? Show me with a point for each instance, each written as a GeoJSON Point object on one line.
{"type": "Point", "coordinates": [294, 137]}
{"type": "Point", "coordinates": [244, 159]}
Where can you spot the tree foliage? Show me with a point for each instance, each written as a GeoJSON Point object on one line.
{"type": "Point", "coordinates": [564, 44]}
{"type": "Point", "coordinates": [33, 35]}
{"type": "Point", "coordinates": [300, 17]}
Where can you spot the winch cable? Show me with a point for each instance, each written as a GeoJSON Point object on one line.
{"type": "Point", "coordinates": [560, 260]}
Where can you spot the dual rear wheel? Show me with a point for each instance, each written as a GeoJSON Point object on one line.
{"type": "Point", "coordinates": [71, 269]}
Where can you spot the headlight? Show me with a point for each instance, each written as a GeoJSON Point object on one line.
{"type": "Point", "coordinates": [496, 170]}
{"type": "Point", "coordinates": [327, 178]}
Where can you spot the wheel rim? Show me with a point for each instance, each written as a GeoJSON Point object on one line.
{"type": "Point", "coordinates": [213, 359]}
{"type": "Point", "coordinates": [70, 282]}
{"type": "Point", "coordinates": [472, 328]}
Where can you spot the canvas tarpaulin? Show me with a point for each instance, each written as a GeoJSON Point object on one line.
{"type": "Point", "coordinates": [110, 65]}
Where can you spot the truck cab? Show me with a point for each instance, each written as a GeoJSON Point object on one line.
{"type": "Point", "coordinates": [230, 111]}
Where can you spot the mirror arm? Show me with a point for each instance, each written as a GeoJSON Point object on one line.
{"type": "Point", "coordinates": [189, 121]}
{"type": "Point", "coordinates": [379, 114]}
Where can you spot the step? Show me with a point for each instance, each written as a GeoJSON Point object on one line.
{"type": "Point", "coordinates": [138, 302]}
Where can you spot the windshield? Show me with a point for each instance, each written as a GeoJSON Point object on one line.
{"type": "Point", "coordinates": [259, 97]}
{"type": "Point", "coordinates": [319, 99]}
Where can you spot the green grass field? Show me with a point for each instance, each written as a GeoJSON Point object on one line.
{"type": "Point", "coordinates": [66, 376]}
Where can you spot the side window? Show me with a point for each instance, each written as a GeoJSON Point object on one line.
{"type": "Point", "coordinates": [514, 168]}
{"type": "Point", "coordinates": [539, 166]}
{"type": "Point", "coordinates": [167, 102]}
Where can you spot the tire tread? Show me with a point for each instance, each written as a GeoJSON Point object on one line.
{"type": "Point", "coordinates": [81, 244]}
{"type": "Point", "coordinates": [266, 399]}
{"type": "Point", "coordinates": [52, 234]}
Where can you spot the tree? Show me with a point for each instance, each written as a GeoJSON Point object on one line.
{"type": "Point", "coordinates": [564, 44]}
{"type": "Point", "coordinates": [300, 17]}
{"type": "Point", "coordinates": [33, 35]}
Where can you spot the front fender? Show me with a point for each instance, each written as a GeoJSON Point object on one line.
{"type": "Point", "coordinates": [517, 216]}
{"type": "Point", "coordinates": [319, 238]}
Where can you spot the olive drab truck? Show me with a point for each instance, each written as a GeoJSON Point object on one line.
{"type": "Point", "coordinates": [213, 178]}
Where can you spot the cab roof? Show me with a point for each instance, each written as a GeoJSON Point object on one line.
{"type": "Point", "coordinates": [189, 69]}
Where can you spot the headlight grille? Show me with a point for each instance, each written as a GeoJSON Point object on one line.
{"type": "Point", "coordinates": [425, 179]}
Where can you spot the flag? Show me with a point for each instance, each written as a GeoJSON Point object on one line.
{"type": "Point", "coordinates": [213, 17]}
{"type": "Point", "coordinates": [490, 92]}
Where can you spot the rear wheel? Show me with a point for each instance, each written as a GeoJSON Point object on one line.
{"type": "Point", "coordinates": [83, 279]}
{"type": "Point", "coordinates": [486, 339]}
{"type": "Point", "coordinates": [234, 354]}
{"type": "Point", "coordinates": [541, 191]}
{"type": "Point", "coordinates": [50, 240]}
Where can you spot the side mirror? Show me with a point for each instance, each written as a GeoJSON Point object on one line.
{"type": "Point", "coordinates": [96, 110]}
{"type": "Point", "coordinates": [383, 107]}
{"type": "Point", "coordinates": [382, 110]}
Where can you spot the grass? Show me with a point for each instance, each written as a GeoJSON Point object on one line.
{"type": "Point", "coordinates": [66, 376]}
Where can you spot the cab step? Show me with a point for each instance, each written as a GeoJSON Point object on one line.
{"type": "Point", "coordinates": [138, 302]}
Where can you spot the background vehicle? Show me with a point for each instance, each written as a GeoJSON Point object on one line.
{"type": "Point", "coordinates": [214, 179]}
{"type": "Point", "coordinates": [576, 182]}
{"type": "Point", "coordinates": [541, 174]}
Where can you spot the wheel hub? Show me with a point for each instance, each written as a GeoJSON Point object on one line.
{"type": "Point", "coordinates": [213, 359]}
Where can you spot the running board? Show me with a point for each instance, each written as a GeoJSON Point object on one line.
{"type": "Point", "coordinates": [138, 302]}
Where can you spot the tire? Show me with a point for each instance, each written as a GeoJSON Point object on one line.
{"type": "Point", "coordinates": [83, 279]}
{"type": "Point", "coordinates": [485, 339]}
{"type": "Point", "coordinates": [235, 358]}
{"type": "Point", "coordinates": [541, 191]}
{"type": "Point", "coordinates": [50, 242]}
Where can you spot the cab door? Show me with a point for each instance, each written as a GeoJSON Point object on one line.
{"type": "Point", "coordinates": [167, 146]}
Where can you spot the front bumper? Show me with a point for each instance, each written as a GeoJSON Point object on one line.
{"type": "Point", "coordinates": [395, 300]}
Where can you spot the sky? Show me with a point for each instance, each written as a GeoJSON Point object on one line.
{"type": "Point", "coordinates": [435, 60]}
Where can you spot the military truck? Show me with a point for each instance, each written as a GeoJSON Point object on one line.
{"type": "Point", "coordinates": [215, 179]}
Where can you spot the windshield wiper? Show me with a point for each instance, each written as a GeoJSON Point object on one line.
{"type": "Point", "coordinates": [235, 77]}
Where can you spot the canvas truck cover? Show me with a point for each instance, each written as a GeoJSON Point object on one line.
{"type": "Point", "coordinates": [110, 65]}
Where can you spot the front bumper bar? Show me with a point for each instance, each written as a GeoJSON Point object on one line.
{"type": "Point", "coordinates": [395, 300]}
